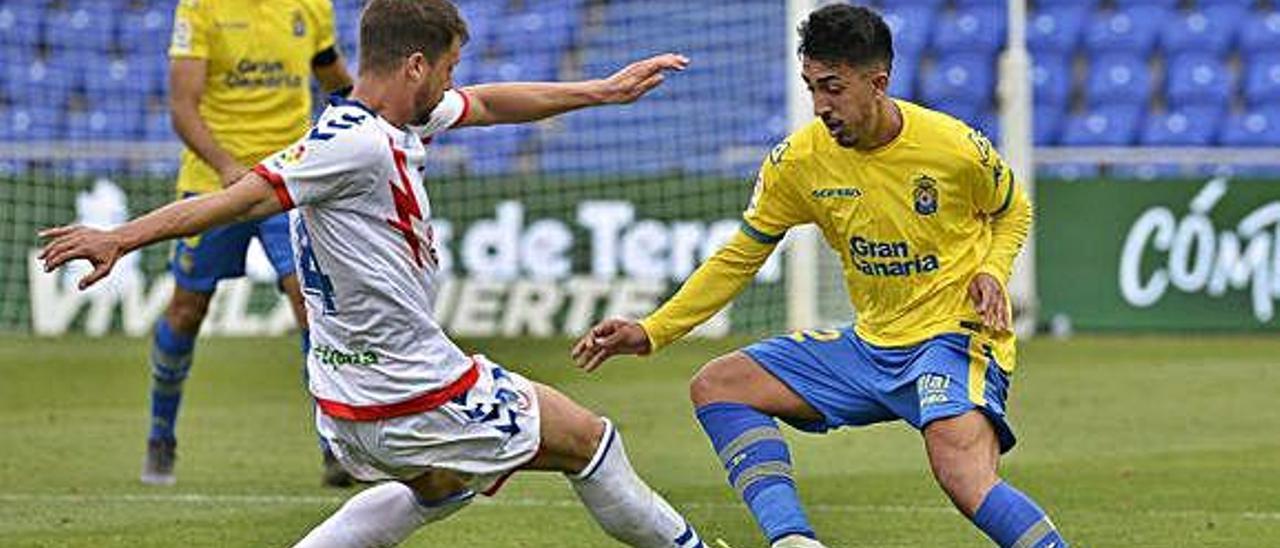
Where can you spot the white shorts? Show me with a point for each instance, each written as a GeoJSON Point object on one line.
{"type": "Point", "coordinates": [484, 435]}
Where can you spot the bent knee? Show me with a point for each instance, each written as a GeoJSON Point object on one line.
{"type": "Point", "coordinates": [718, 380]}
{"type": "Point", "coordinates": [186, 314]}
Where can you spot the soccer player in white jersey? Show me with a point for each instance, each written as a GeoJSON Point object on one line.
{"type": "Point", "coordinates": [398, 400]}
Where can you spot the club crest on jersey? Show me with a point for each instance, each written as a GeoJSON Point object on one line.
{"type": "Point", "coordinates": [299, 25]}
{"type": "Point", "coordinates": [926, 195]}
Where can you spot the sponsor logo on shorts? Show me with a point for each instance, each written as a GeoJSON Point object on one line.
{"type": "Point", "coordinates": [932, 389]}
{"type": "Point", "coordinates": [329, 355]}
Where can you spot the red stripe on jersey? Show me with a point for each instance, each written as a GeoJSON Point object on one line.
{"type": "Point", "coordinates": [417, 404]}
{"type": "Point", "coordinates": [466, 109]}
{"type": "Point", "coordinates": [406, 203]}
{"type": "Point", "coordinates": [277, 184]}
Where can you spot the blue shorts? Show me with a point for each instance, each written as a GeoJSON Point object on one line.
{"type": "Point", "coordinates": [854, 383]}
{"type": "Point", "coordinates": [200, 261]}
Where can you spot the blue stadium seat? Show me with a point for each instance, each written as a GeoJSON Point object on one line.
{"type": "Point", "coordinates": [962, 110]}
{"type": "Point", "coordinates": [47, 82]}
{"type": "Point", "coordinates": [1115, 125]}
{"type": "Point", "coordinates": [147, 31]}
{"type": "Point", "coordinates": [902, 79]}
{"type": "Point", "coordinates": [988, 122]}
{"type": "Point", "coordinates": [1245, 4]}
{"type": "Point", "coordinates": [1198, 79]}
{"type": "Point", "coordinates": [1262, 80]}
{"type": "Point", "coordinates": [1119, 78]}
{"type": "Point", "coordinates": [116, 119]}
{"type": "Point", "coordinates": [1193, 126]}
{"type": "Point", "coordinates": [1051, 79]}
{"type": "Point", "coordinates": [963, 77]}
{"type": "Point", "coordinates": [1260, 33]}
{"type": "Point", "coordinates": [88, 26]}
{"type": "Point", "coordinates": [931, 5]}
{"type": "Point", "coordinates": [1088, 5]}
{"type": "Point", "coordinates": [1259, 127]}
{"type": "Point", "coordinates": [115, 77]}
{"type": "Point", "coordinates": [158, 126]}
{"type": "Point", "coordinates": [546, 34]}
{"type": "Point", "coordinates": [1046, 124]}
{"type": "Point", "coordinates": [911, 27]}
{"type": "Point", "coordinates": [1068, 172]}
{"type": "Point", "coordinates": [1163, 4]}
{"type": "Point", "coordinates": [1212, 30]}
{"type": "Point", "coordinates": [33, 123]}
{"type": "Point", "coordinates": [20, 24]}
{"type": "Point", "coordinates": [1055, 29]}
{"type": "Point", "coordinates": [490, 150]}
{"type": "Point", "coordinates": [973, 30]}
{"type": "Point", "coordinates": [1132, 30]}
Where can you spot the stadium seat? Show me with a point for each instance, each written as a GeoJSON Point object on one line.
{"type": "Point", "coordinates": [1163, 4]}
{"type": "Point", "coordinates": [1133, 30]}
{"type": "Point", "coordinates": [1260, 33]}
{"type": "Point", "coordinates": [34, 123]}
{"type": "Point", "coordinates": [147, 31]}
{"type": "Point", "coordinates": [1055, 29]}
{"type": "Point", "coordinates": [1046, 125]}
{"type": "Point", "coordinates": [1259, 127]}
{"type": "Point", "coordinates": [1243, 4]}
{"type": "Point", "coordinates": [965, 111]}
{"type": "Point", "coordinates": [1198, 79]}
{"type": "Point", "coordinates": [83, 27]}
{"type": "Point", "coordinates": [1211, 30]}
{"type": "Point", "coordinates": [974, 30]}
{"type": "Point", "coordinates": [1150, 172]}
{"type": "Point", "coordinates": [1193, 126]}
{"type": "Point", "coordinates": [20, 24]}
{"type": "Point", "coordinates": [902, 80]}
{"type": "Point", "coordinates": [158, 126]}
{"type": "Point", "coordinates": [1087, 5]}
{"type": "Point", "coordinates": [1068, 172]}
{"type": "Point", "coordinates": [1051, 79]}
{"type": "Point", "coordinates": [1115, 125]}
{"type": "Point", "coordinates": [107, 76]}
{"type": "Point", "coordinates": [48, 82]}
{"type": "Point", "coordinates": [119, 119]}
{"type": "Point", "coordinates": [489, 150]}
{"type": "Point", "coordinates": [1262, 80]}
{"type": "Point", "coordinates": [931, 5]}
{"type": "Point", "coordinates": [988, 122]}
{"type": "Point", "coordinates": [1119, 78]}
{"type": "Point", "coordinates": [963, 77]}
{"type": "Point", "coordinates": [911, 27]}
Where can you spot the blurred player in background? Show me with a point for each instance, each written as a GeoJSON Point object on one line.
{"type": "Point", "coordinates": [239, 90]}
{"type": "Point", "coordinates": [927, 220]}
{"type": "Point", "coordinates": [398, 400]}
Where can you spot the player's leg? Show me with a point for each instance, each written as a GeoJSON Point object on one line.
{"type": "Point", "coordinates": [589, 451]}
{"type": "Point", "coordinates": [197, 265]}
{"type": "Point", "coordinates": [736, 400]}
{"type": "Point", "coordinates": [959, 392]}
{"type": "Point", "coordinates": [386, 514]}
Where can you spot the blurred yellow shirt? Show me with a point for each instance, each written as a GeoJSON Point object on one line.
{"type": "Point", "coordinates": [257, 95]}
{"type": "Point", "coordinates": [913, 222]}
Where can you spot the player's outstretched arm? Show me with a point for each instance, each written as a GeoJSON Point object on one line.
{"type": "Point", "coordinates": [250, 198]}
{"type": "Point", "coordinates": [709, 289]}
{"type": "Point", "coordinates": [518, 102]}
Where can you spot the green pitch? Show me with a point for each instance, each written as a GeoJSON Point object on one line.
{"type": "Point", "coordinates": [1126, 441]}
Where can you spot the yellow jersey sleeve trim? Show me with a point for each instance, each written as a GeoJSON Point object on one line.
{"type": "Point", "coordinates": [1008, 197]}
{"type": "Point", "coordinates": [760, 235]}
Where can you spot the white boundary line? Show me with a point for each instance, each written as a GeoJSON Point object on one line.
{"type": "Point", "coordinates": [306, 500]}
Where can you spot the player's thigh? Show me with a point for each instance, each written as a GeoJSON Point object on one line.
{"type": "Point", "coordinates": [737, 377]}
{"type": "Point", "coordinates": [570, 432]}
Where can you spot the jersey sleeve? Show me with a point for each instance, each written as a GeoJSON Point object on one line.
{"type": "Point", "coordinates": [451, 111]}
{"type": "Point", "coordinates": [775, 205]}
{"type": "Point", "coordinates": [190, 31]}
{"type": "Point", "coordinates": [992, 181]}
{"type": "Point", "coordinates": [326, 36]}
{"type": "Point", "coordinates": [315, 171]}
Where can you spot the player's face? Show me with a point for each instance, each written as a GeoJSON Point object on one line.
{"type": "Point", "coordinates": [846, 98]}
{"type": "Point", "coordinates": [435, 79]}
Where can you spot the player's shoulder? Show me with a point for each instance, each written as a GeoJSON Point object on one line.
{"type": "Point", "coordinates": [798, 148]}
{"type": "Point", "coordinates": [347, 127]}
{"type": "Point", "coordinates": [939, 131]}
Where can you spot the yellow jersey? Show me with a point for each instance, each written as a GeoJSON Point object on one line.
{"type": "Point", "coordinates": [257, 95]}
{"type": "Point", "coordinates": [913, 222]}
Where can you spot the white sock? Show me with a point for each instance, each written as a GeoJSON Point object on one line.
{"type": "Point", "coordinates": [624, 506]}
{"type": "Point", "coordinates": [380, 516]}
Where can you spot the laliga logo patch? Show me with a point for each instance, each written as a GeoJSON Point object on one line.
{"type": "Point", "coordinates": [926, 195]}
{"type": "Point", "coordinates": [293, 155]}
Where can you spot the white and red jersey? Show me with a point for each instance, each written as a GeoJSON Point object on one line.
{"type": "Point", "coordinates": [363, 247]}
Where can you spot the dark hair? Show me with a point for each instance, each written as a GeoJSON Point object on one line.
{"type": "Point", "coordinates": [391, 30]}
{"type": "Point", "coordinates": [841, 33]}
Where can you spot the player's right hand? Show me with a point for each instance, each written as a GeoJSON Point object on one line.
{"type": "Point", "coordinates": [67, 243]}
{"type": "Point", "coordinates": [609, 338]}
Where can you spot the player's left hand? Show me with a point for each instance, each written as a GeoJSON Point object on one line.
{"type": "Point", "coordinates": [639, 77]}
{"type": "Point", "coordinates": [987, 294]}
{"type": "Point", "coordinates": [67, 243]}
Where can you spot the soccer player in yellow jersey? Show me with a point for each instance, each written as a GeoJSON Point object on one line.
{"type": "Point", "coordinates": [239, 89]}
{"type": "Point", "coordinates": [927, 220]}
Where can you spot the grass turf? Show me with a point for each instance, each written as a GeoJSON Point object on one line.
{"type": "Point", "coordinates": [1134, 441]}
